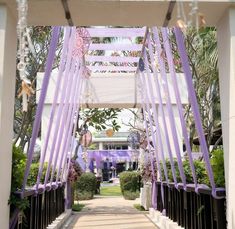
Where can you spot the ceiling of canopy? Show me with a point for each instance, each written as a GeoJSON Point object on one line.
{"type": "Point", "coordinates": [115, 12]}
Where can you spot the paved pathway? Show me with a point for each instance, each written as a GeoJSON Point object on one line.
{"type": "Point", "coordinates": [110, 213]}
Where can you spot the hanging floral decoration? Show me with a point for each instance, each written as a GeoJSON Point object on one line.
{"type": "Point", "coordinates": [26, 91]}
{"type": "Point", "coordinates": [141, 65]}
{"type": "Point", "coordinates": [75, 171]}
{"type": "Point", "coordinates": [86, 73]}
{"type": "Point", "coordinates": [23, 52]}
{"type": "Point", "coordinates": [82, 42]}
{"type": "Point", "coordinates": [86, 139]}
{"type": "Point", "coordinates": [194, 18]}
{"type": "Point", "coordinates": [134, 139]}
{"type": "Point", "coordinates": [182, 25]}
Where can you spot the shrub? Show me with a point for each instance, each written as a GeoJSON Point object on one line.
{"type": "Point", "coordinates": [85, 186]}
{"type": "Point", "coordinates": [129, 182]}
{"type": "Point", "coordinates": [17, 177]}
{"type": "Point", "coordinates": [83, 195]}
{"type": "Point", "coordinates": [217, 163]}
{"type": "Point", "coordinates": [18, 168]}
{"type": "Point", "coordinates": [33, 173]}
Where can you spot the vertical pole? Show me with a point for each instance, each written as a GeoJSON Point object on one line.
{"type": "Point", "coordinates": [226, 47]}
{"type": "Point", "coordinates": [7, 95]}
{"type": "Point", "coordinates": [101, 146]}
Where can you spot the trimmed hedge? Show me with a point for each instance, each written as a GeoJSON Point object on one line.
{"type": "Point", "coordinates": [129, 182]}
{"type": "Point", "coordinates": [217, 164]}
{"type": "Point", "coordinates": [85, 186]}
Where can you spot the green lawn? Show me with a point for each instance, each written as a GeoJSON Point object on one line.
{"type": "Point", "coordinates": [110, 191]}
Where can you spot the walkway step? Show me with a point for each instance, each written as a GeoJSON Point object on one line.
{"type": "Point", "coordinates": [110, 212]}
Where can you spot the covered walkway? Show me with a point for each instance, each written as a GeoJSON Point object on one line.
{"type": "Point", "coordinates": [109, 212]}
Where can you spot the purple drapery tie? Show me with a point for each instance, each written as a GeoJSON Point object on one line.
{"type": "Point", "coordinates": [194, 105]}
{"type": "Point", "coordinates": [36, 125]}
{"type": "Point", "coordinates": [91, 165]}
{"type": "Point", "coordinates": [164, 81]}
{"type": "Point", "coordinates": [178, 101]}
{"type": "Point", "coordinates": [98, 160]}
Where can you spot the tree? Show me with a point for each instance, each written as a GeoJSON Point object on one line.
{"type": "Point", "coordinates": [23, 121]}
{"type": "Point", "coordinates": [100, 118]}
{"type": "Point", "coordinates": [203, 56]}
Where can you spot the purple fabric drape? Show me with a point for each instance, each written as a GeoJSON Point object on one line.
{"type": "Point", "coordinates": [54, 104]}
{"type": "Point", "coordinates": [173, 76]}
{"type": "Point", "coordinates": [91, 166]}
{"type": "Point", "coordinates": [194, 106]}
{"type": "Point", "coordinates": [58, 125]}
{"type": "Point", "coordinates": [66, 119]}
{"type": "Point", "coordinates": [70, 121]}
{"type": "Point", "coordinates": [110, 154]}
{"type": "Point", "coordinates": [159, 143]}
{"type": "Point", "coordinates": [74, 131]}
{"type": "Point", "coordinates": [159, 98]}
{"type": "Point", "coordinates": [154, 193]}
{"type": "Point", "coordinates": [145, 97]}
{"type": "Point", "coordinates": [36, 125]}
{"type": "Point", "coordinates": [165, 87]}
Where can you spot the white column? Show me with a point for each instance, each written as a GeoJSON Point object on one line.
{"type": "Point", "coordinates": [226, 45]}
{"type": "Point", "coordinates": [7, 95]}
{"type": "Point", "coordinates": [101, 146]}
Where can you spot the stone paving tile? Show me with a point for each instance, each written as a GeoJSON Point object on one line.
{"type": "Point", "coordinates": [110, 213]}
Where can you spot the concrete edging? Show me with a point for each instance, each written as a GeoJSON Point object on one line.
{"type": "Point", "coordinates": [60, 220]}
{"type": "Point", "coordinates": [162, 222]}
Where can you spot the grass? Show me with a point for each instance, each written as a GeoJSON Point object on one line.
{"type": "Point", "coordinates": [139, 207]}
{"type": "Point", "coordinates": [78, 207]}
{"type": "Point", "coordinates": [110, 191]}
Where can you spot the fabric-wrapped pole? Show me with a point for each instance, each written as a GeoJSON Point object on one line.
{"type": "Point", "coordinates": [66, 119]}
{"type": "Point", "coordinates": [170, 61]}
{"type": "Point", "coordinates": [68, 69]}
{"type": "Point", "coordinates": [64, 172]}
{"type": "Point", "coordinates": [154, 196]}
{"type": "Point", "coordinates": [159, 98]}
{"type": "Point", "coordinates": [54, 104]}
{"type": "Point", "coordinates": [36, 125]}
{"type": "Point", "coordinates": [68, 134]}
{"type": "Point", "coordinates": [153, 137]}
{"type": "Point", "coordinates": [194, 105]}
{"type": "Point", "coordinates": [148, 85]}
{"type": "Point", "coordinates": [165, 86]}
